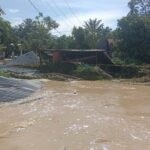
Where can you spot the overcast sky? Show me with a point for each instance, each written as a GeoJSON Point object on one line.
{"type": "Point", "coordinates": [67, 13]}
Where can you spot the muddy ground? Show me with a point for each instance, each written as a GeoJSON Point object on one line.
{"type": "Point", "coordinates": [78, 115]}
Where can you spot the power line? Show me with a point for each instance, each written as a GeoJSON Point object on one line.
{"type": "Point", "coordinates": [54, 2]}
{"type": "Point", "coordinates": [57, 14]}
{"type": "Point", "coordinates": [51, 7]}
{"type": "Point", "coordinates": [67, 3]}
{"type": "Point", "coordinates": [34, 6]}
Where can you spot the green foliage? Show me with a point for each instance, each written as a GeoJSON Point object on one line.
{"type": "Point", "coordinates": [64, 42]}
{"type": "Point", "coordinates": [121, 71]}
{"type": "Point", "coordinates": [81, 71]}
{"type": "Point", "coordinates": [93, 35]}
{"type": "Point", "coordinates": [139, 7]}
{"type": "Point", "coordinates": [63, 68]}
{"type": "Point", "coordinates": [80, 37]}
{"type": "Point", "coordinates": [6, 35]}
{"type": "Point", "coordinates": [94, 29]}
{"type": "Point", "coordinates": [35, 34]}
{"type": "Point", "coordinates": [88, 73]}
{"type": "Point", "coordinates": [31, 34]}
{"type": "Point", "coordinates": [134, 32]}
{"type": "Point", "coordinates": [4, 74]}
{"type": "Point", "coordinates": [127, 72]}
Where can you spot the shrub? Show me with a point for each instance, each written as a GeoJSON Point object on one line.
{"type": "Point", "coordinates": [89, 73]}
{"type": "Point", "coordinates": [4, 74]}
{"type": "Point", "coordinates": [58, 68]}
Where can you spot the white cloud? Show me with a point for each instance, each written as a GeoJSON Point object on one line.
{"type": "Point", "coordinates": [85, 4]}
{"type": "Point", "coordinates": [16, 21]}
{"type": "Point", "coordinates": [106, 10]}
{"type": "Point", "coordinates": [109, 18]}
{"type": "Point", "coordinates": [14, 11]}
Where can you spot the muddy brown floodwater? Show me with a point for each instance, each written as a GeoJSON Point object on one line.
{"type": "Point", "coordinates": [78, 115]}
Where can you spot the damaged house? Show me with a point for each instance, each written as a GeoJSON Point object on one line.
{"type": "Point", "coordinates": [94, 56]}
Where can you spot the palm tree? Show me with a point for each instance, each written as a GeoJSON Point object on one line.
{"type": "Point", "coordinates": [93, 25]}
{"type": "Point", "coordinates": [94, 28]}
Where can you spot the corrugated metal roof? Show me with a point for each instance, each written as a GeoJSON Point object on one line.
{"type": "Point", "coordinates": [75, 50]}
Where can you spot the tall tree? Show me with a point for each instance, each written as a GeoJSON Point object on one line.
{"type": "Point", "coordinates": [64, 42]}
{"type": "Point", "coordinates": [80, 37]}
{"type": "Point", "coordinates": [6, 35]}
{"type": "Point", "coordinates": [139, 7]}
{"type": "Point", "coordinates": [94, 28]}
{"type": "Point", "coordinates": [134, 33]}
{"type": "Point", "coordinates": [92, 35]}
{"type": "Point", "coordinates": [35, 34]}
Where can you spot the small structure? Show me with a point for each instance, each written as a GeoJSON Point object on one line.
{"type": "Point", "coordinates": [94, 56]}
{"type": "Point", "coordinates": [111, 43]}
{"type": "Point", "coordinates": [28, 59]}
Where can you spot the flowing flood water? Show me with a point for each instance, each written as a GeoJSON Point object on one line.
{"type": "Point", "coordinates": [78, 115]}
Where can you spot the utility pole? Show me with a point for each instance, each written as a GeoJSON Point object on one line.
{"type": "Point", "coordinates": [20, 47]}
{"type": "Point", "coordinates": [12, 53]}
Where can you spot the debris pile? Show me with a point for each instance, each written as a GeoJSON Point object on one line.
{"type": "Point", "coordinates": [28, 59]}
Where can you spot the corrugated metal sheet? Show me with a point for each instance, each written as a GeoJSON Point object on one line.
{"type": "Point", "coordinates": [14, 89]}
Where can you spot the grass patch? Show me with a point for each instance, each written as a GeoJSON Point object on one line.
{"type": "Point", "coordinates": [83, 71]}
{"type": "Point", "coordinates": [5, 74]}
{"type": "Point", "coordinates": [90, 73]}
